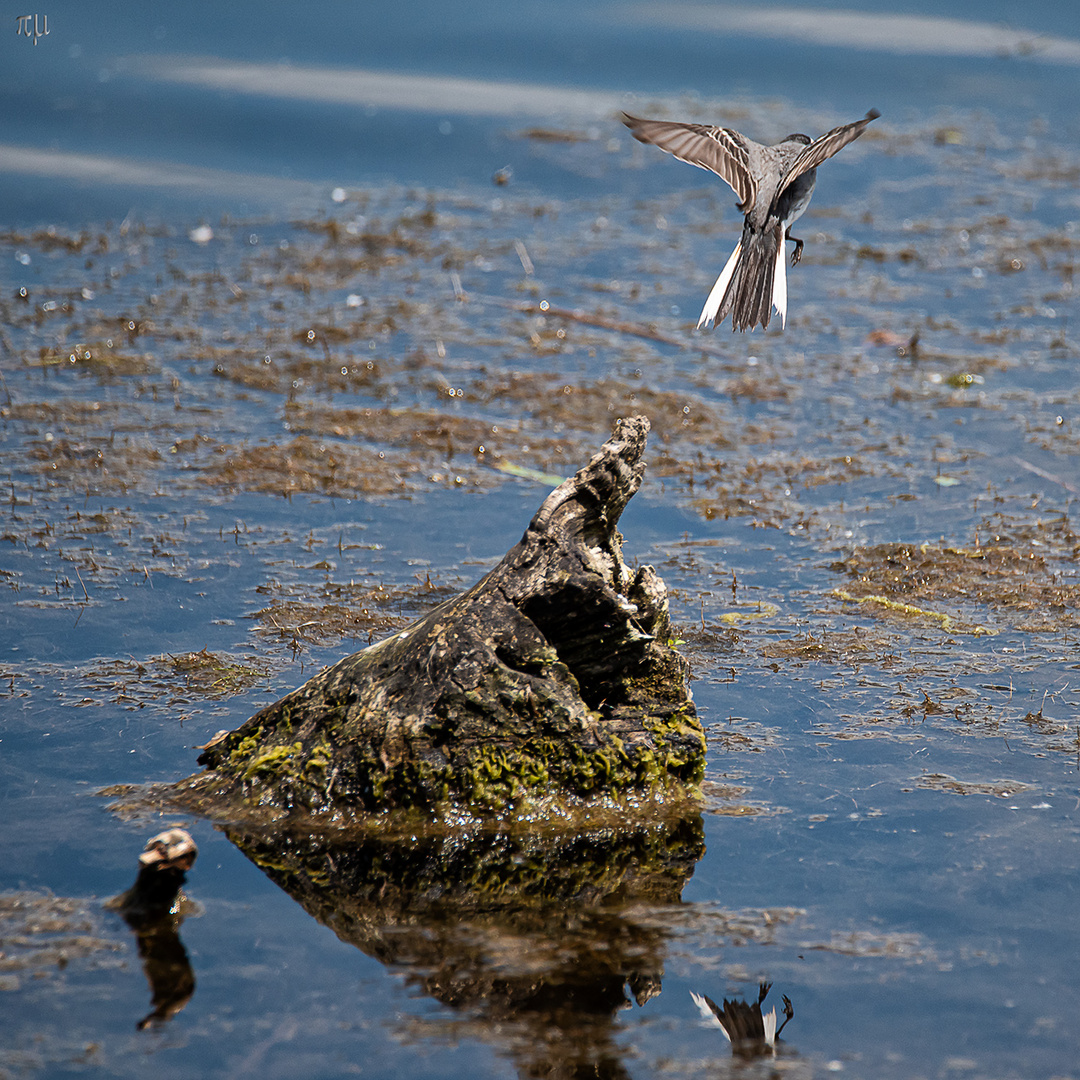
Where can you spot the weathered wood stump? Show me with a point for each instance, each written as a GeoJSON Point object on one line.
{"type": "Point", "coordinates": [550, 682]}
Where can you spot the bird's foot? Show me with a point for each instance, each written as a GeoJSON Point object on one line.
{"type": "Point", "coordinates": [796, 255]}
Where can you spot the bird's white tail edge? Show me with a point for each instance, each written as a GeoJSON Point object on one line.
{"type": "Point", "coordinates": [708, 1014]}
{"type": "Point", "coordinates": [769, 1018]}
{"type": "Point", "coordinates": [716, 297]}
{"type": "Point", "coordinates": [779, 282]}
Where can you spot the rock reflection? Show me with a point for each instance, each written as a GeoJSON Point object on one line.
{"type": "Point", "coordinates": [154, 908]}
{"type": "Point", "coordinates": [531, 939]}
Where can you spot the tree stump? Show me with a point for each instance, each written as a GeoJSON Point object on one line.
{"type": "Point", "coordinates": [548, 683]}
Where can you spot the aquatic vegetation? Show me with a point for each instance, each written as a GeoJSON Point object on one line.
{"type": "Point", "coordinates": [298, 436]}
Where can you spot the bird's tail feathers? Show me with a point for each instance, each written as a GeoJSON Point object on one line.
{"type": "Point", "coordinates": [769, 1018]}
{"type": "Point", "coordinates": [751, 284]}
{"type": "Point", "coordinates": [779, 285]}
{"type": "Point", "coordinates": [754, 299]}
{"type": "Point", "coordinates": [709, 1011]}
{"type": "Point", "coordinates": [718, 295]}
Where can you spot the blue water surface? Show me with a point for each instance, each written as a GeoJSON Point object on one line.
{"type": "Point", "coordinates": [921, 929]}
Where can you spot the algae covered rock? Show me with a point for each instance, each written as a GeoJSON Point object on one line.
{"type": "Point", "coordinates": [548, 683]}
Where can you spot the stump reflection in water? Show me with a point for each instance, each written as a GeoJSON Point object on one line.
{"type": "Point", "coordinates": [532, 937]}
{"type": "Point", "coordinates": [154, 907]}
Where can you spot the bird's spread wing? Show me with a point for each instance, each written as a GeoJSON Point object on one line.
{"type": "Point", "coordinates": [717, 149]}
{"type": "Point", "coordinates": [824, 146]}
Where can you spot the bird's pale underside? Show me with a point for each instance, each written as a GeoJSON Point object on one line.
{"type": "Point", "coordinates": [774, 185]}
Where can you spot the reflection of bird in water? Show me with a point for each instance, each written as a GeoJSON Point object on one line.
{"type": "Point", "coordinates": [774, 185]}
{"type": "Point", "coordinates": [750, 1032]}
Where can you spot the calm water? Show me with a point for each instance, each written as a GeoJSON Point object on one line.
{"type": "Point", "coordinates": [284, 412]}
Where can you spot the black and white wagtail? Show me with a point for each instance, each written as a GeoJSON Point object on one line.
{"type": "Point", "coordinates": [774, 185]}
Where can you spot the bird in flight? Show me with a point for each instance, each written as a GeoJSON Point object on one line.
{"type": "Point", "coordinates": [774, 185]}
